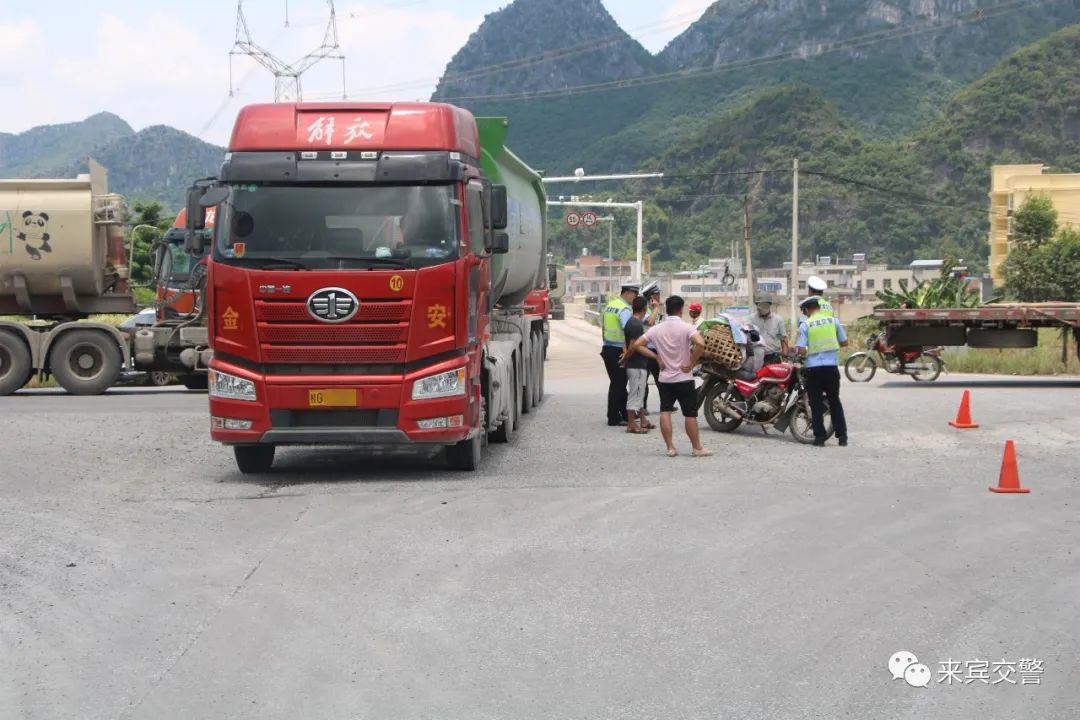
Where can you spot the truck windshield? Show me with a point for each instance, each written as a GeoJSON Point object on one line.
{"type": "Point", "coordinates": [338, 227]}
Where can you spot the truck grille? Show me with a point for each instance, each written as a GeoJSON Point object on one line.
{"type": "Point", "coordinates": [376, 335]}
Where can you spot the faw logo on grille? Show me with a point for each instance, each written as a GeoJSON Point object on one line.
{"type": "Point", "coordinates": [332, 305]}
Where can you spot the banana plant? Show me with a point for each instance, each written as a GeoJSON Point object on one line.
{"type": "Point", "coordinates": [948, 290]}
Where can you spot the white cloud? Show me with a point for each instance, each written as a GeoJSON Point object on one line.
{"type": "Point", "coordinates": [21, 46]}
{"type": "Point", "coordinates": [679, 15]}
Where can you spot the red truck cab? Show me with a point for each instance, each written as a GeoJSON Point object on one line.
{"type": "Point", "coordinates": [348, 291]}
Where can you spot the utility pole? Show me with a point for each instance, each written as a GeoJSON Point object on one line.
{"type": "Point", "coordinates": [794, 282]}
{"type": "Point", "coordinates": [751, 287]}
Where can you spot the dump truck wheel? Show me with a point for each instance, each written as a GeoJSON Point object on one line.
{"type": "Point", "coordinates": [14, 363]}
{"type": "Point", "coordinates": [85, 362]}
{"type": "Point", "coordinates": [254, 459]}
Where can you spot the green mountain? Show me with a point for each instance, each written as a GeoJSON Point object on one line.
{"type": "Point", "coordinates": [543, 45]}
{"type": "Point", "coordinates": [894, 200]}
{"type": "Point", "coordinates": [889, 67]}
{"type": "Point", "coordinates": [157, 163]}
{"type": "Point", "coordinates": [51, 146]}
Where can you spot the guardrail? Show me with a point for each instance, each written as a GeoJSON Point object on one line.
{"type": "Point", "coordinates": [592, 317]}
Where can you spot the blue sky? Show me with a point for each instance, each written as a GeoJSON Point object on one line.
{"type": "Point", "coordinates": [166, 61]}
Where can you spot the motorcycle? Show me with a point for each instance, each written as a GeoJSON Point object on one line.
{"type": "Point", "coordinates": [922, 364]}
{"type": "Point", "coordinates": [775, 396]}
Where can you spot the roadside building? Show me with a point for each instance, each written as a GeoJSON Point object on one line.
{"type": "Point", "coordinates": [1010, 187]}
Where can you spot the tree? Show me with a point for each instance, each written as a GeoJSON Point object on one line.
{"type": "Point", "coordinates": [141, 242]}
{"type": "Point", "coordinates": [1046, 272]}
{"type": "Point", "coordinates": [1035, 223]}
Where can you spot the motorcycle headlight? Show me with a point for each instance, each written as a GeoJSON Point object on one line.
{"type": "Point", "coordinates": [230, 387]}
{"type": "Point", "coordinates": [445, 384]}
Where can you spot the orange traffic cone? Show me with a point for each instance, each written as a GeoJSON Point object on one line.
{"type": "Point", "coordinates": [963, 415]}
{"type": "Point", "coordinates": [1009, 482]}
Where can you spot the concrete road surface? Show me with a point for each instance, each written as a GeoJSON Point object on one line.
{"type": "Point", "coordinates": [579, 574]}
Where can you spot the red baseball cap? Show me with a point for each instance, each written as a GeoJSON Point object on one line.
{"type": "Point", "coordinates": [695, 306]}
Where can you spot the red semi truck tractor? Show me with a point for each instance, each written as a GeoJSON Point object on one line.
{"type": "Point", "coordinates": [368, 271]}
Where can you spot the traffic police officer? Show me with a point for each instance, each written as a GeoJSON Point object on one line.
{"type": "Point", "coordinates": [816, 287]}
{"type": "Point", "coordinates": [612, 322]}
{"type": "Point", "coordinates": [820, 338]}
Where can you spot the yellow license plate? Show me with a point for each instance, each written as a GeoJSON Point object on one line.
{"type": "Point", "coordinates": [332, 398]}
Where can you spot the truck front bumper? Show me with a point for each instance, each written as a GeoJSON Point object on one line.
{"type": "Point", "coordinates": [383, 414]}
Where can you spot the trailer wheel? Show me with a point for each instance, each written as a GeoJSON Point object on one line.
{"type": "Point", "coordinates": [527, 364]}
{"type": "Point", "coordinates": [538, 370]}
{"type": "Point", "coordinates": [254, 459]}
{"type": "Point", "coordinates": [505, 432]}
{"type": "Point", "coordinates": [15, 367]}
{"type": "Point", "coordinates": [85, 362]}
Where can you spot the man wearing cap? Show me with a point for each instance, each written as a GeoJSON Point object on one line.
{"type": "Point", "coordinates": [695, 314]}
{"type": "Point", "coordinates": [772, 329]}
{"type": "Point", "coordinates": [820, 338]}
{"type": "Point", "coordinates": [816, 287]}
{"type": "Point", "coordinates": [613, 323]}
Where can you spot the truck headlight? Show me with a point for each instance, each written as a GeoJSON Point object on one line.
{"type": "Point", "coordinates": [445, 384]}
{"type": "Point", "coordinates": [230, 387]}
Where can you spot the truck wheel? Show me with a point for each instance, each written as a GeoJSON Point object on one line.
{"type": "Point", "coordinates": [465, 455]}
{"type": "Point", "coordinates": [538, 373]}
{"type": "Point", "coordinates": [158, 378]}
{"type": "Point", "coordinates": [254, 459]}
{"type": "Point", "coordinates": [85, 362]}
{"type": "Point", "coordinates": [505, 432]}
{"type": "Point", "coordinates": [527, 364]}
{"type": "Point", "coordinates": [14, 363]}
{"type": "Point", "coordinates": [196, 381]}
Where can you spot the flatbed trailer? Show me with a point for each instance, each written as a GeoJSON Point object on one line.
{"type": "Point", "coordinates": [1005, 325]}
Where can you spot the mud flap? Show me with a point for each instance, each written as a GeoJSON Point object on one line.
{"type": "Point", "coordinates": [782, 424]}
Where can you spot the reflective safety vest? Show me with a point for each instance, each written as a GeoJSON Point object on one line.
{"type": "Point", "coordinates": [821, 334]}
{"type": "Point", "coordinates": [613, 329]}
{"type": "Point", "coordinates": [824, 307]}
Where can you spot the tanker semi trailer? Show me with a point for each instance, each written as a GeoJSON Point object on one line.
{"type": "Point", "coordinates": [368, 274]}
{"type": "Point", "coordinates": [63, 258]}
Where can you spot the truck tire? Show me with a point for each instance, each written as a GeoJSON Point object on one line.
{"type": "Point", "coordinates": [538, 373]}
{"type": "Point", "coordinates": [85, 362]}
{"type": "Point", "coordinates": [465, 455]}
{"type": "Point", "coordinates": [254, 459]}
{"type": "Point", "coordinates": [15, 368]}
{"type": "Point", "coordinates": [158, 378]}
{"type": "Point", "coordinates": [505, 432]}
{"type": "Point", "coordinates": [195, 381]}
{"type": "Point", "coordinates": [527, 366]}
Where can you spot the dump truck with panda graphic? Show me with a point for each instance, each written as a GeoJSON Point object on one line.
{"type": "Point", "coordinates": [63, 258]}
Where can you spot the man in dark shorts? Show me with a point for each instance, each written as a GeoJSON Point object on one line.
{"type": "Point", "coordinates": [637, 369]}
{"type": "Point", "coordinates": [673, 339]}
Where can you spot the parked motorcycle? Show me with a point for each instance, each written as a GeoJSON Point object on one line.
{"type": "Point", "coordinates": [774, 397]}
{"type": "Point", "coordinates": [922, 364]}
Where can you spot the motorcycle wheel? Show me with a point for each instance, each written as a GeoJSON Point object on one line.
{"type": "Point", "coordinates": [717, 420]}
{"type": "Point", "coordinates": [860, 367]}
{"type": "Point", "coordinates": [800, 425]}
{"type": "Point", "coordinates": [929, 368]}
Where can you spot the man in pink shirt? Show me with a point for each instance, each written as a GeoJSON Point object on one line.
{"type": "Point", "coordinates": [678, 349]}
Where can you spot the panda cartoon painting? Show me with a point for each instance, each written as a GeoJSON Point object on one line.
{"type": "Point", "coordinates": [35, 233]}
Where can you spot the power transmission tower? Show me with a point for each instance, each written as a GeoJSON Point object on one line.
{"type": "Point", "coordinates": [287, 87]}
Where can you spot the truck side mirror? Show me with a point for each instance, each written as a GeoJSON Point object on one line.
{"type": "Point", "coordinates": [195, 220]}
{"type": "Point", "coordinates": [500, 243]}
{"type": "Point", "coordinates": [553, 278]}
{"type": "Point", "coordinates": [499, 213]}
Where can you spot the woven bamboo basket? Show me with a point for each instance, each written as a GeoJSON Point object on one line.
{"type": "Point", "coordinates": [720, 347]}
